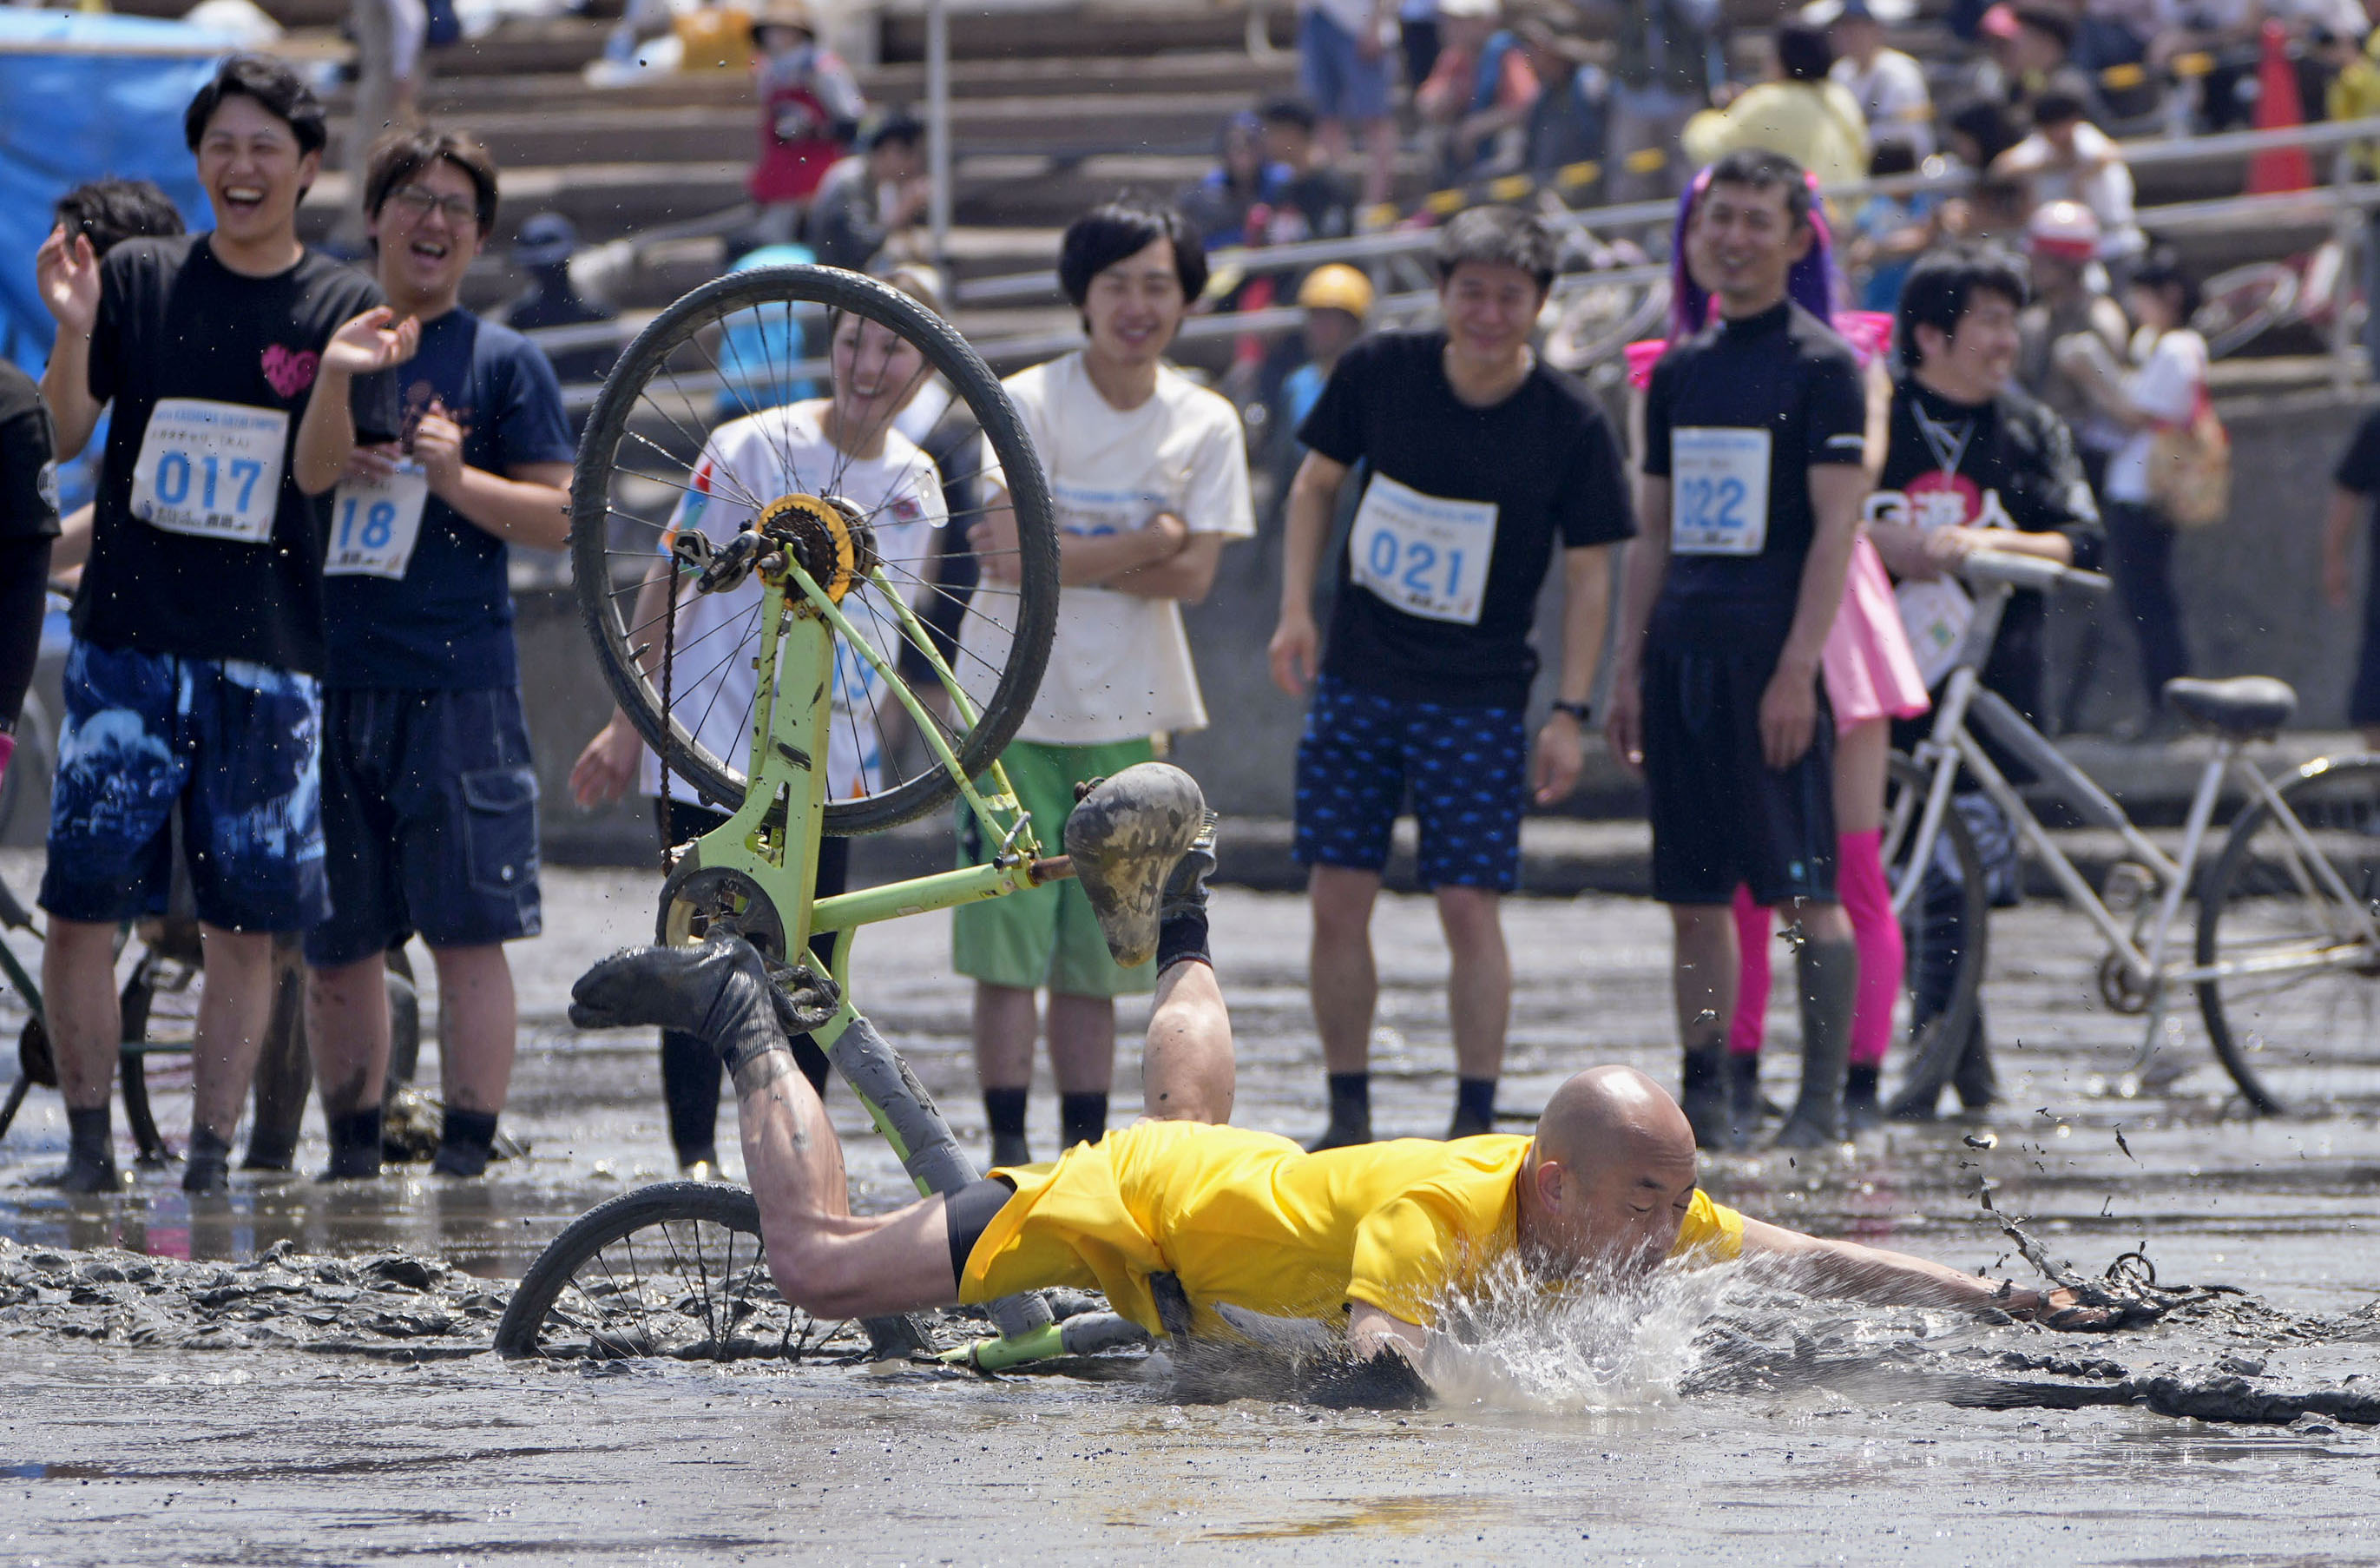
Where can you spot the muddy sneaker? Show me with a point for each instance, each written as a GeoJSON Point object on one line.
{"type": "Point", "coordinates": [1010, 1150]}
{"type": "Point", "coordinates": [1125, 837]}
{"type": "Point", "coordinates": [84, 1175]}
{"type": "Point", "coordinates": [720, 992]}
{"type": "Point", "coordinates": [207, 1166]}
{"type": "Point", "coordinates": [1185, 885]}
{"type": "Point", "coordinates": [1340, 1134]}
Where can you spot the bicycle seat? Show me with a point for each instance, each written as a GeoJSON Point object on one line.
{"type": "Point", "coordinates": [2243, 707]}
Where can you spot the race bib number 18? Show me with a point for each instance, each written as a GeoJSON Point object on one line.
{"type": "Point", "coordinates": [1719, 491]}
{"type": "Point", "coordinates": [376, 523]}
{"type": "Point", "coordinates": [1426, 556]}
{"type": "Point", "coordinates": [210, 469]}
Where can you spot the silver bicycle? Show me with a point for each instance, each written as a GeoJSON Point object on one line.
{"type": "Point", "coordinates": [2288, 944]}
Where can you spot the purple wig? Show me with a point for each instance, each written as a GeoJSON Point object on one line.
{"type": "Point", "coordinates": [1811, 285]}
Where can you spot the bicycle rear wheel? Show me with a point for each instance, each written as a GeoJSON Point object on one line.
{"type": "Point", "coordinates": [2303, 1034]}
{"type": "Point", "coordinates": [1945, 925]}
{"type": "Point", "coordinates": [707, 423]}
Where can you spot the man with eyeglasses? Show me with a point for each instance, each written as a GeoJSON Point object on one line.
{"type": "Point", "coordinates": [429, 798]}
{"type": "Point", "coordinates": [240, 366]}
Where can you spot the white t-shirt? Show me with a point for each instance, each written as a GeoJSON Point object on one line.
{"type": "Point", "coordinates": [1893, 94]}
{"type": "Point", "coordinates": [763, 455]}
{"type": "Point", "coordinates": [1120, 667]}
{"type": "Point", "coordinates": [2167, 386]}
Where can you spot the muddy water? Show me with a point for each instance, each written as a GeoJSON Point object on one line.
{"type": "Point", "coordinates": [114, 1452]}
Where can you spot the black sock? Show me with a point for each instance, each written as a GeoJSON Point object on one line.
{"type": "Point", "coordinates": [1003, 1112]}
{"type": "Point", "coordinates": [1351, 1099]}
{"type": "Point", "coordinates": [1082, 1118]}
{"type": "Point", "coordinates": [1183, 940]}
{"type": "Point", "coordinates": [1860, 1084]}
{"type": "Point", "coordinates": [474, 1130]}
{"type": "Point", "coordinates": [356, 1143]}
{"type": "Point", "coordinates": [90, 1136]}
{"type": "Point", "coordinates": [1475, 1097]}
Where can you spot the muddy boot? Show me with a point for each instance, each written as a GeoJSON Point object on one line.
{"type": "Point", "coordinates": [1702, 1095]}
{"type": "Point", "coordinates": [1745, 1106]}
{"type": "Point", "coordinates": [722, 992]}
{"type": "Point", "coordinates": [1830, 974]}
{"type": "Point", "coordinates": [1351, 1113]}
{"type": "Point", "coordinates": [90, 1169]}
{"type": "Point", "coordinates": [1182, 910]}
{"type": "Point", "coordinates": [356, 1146]}
{"type": "Point", "coordinates": [1124, 836]}
{"type": "Point", "coordinates": [1975, 1079]}
{"type": "Point", "coordinates": [1862, 1105]}
{"type": "Point", "coordinates": [208, 1168]}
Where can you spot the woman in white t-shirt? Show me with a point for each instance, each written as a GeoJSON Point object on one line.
{"type": "Point", "coordinates": [2163, 389]}
{"type": "Point", "coordinates": [848, 441]}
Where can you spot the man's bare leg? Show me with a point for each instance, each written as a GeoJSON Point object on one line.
{"type": "Point", "coordinates": [235, 1009]}
{"type": "Point", "coordinates": [1186, 1068]}
{"type": "Point", "coordinates": [1704, 985]}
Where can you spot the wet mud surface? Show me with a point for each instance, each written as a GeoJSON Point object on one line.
{"type": "Point", "coordinates": [300, 1374]}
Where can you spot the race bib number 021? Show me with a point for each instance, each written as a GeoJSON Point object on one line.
{"type": "Point", "coordinates": [1719, 491]}
{"type": "Point", "coordinates": [211, 469]}
{"type": "Point", "coordinates": [376, 523]}
{"type": "Point", "coordinates": [1426, 556]}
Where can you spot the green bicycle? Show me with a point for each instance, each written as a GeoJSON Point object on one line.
{"type": "Point", "coordinates": [818, 592]}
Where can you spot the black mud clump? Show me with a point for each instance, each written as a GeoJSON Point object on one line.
{"type": "Point", "coordinates": [391, 1306]}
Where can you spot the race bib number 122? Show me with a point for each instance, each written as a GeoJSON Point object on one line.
{"type": "Point", "coordinates": [211, 469]}
{"type": "Point", "coordinates": [1719, 491]}
{"type": "Point", "coordinates": [1426, 556]}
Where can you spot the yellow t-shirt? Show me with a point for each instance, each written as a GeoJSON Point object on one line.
{"type": "Point", "coordinates": [1253, 1219]}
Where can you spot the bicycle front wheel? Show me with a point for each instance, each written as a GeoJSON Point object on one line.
{"type": "Point", "coordinates": [776, 398]}
{"type": "Point", "coordinates": [2297, 1021]}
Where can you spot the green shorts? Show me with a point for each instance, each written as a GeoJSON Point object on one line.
{"type": "Point", "coordinates": [1044, 936]}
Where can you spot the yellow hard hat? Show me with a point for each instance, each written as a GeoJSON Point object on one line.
{"type": "Point", "coordinates": [1336, 286]}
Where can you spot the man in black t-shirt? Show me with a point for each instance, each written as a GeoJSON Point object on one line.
{"type": "Point", "coordinates": [239, 366]}
{"type": "Point", "coordinates": [1972, 464]}
{"type": "Point", "coordinates": [1749, 506]}
{"type": "Point", "coordinates": [1476, 461]}
{"type": "Point", "coordinates": [28, 521]}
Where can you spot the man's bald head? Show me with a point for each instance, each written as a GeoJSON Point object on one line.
{"type": "Point", "coordinates": [1611, 1170]}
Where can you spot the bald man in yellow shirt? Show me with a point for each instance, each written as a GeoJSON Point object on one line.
{"type": "Point", "coordinates": [1377, 1235]}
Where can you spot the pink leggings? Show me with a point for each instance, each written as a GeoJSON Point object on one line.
{"type": "Point", "coordinates": [1867, 900]}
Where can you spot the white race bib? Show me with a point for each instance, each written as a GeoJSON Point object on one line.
{"type": "Point", "coordinates": [1719, 491]}
{"type": "Point", "coordinates": [376, 523]}
{"type": "Point", "coordinates": [211, 469]}
{"type": "Point", "coordinates": [1426, 556]}
{"type": "Point", "coordinates": [1095, 513]}
{"type": "Point", "coordinates": [1936, 614]}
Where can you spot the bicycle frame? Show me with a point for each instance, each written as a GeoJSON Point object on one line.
{"type": "Point", "coordinates": [773, 839]}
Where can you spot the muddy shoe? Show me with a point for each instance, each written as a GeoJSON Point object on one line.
{"type": "Point", "coordinates": [1186, 886]}
{"type": "Point", "coordinates": [720, 991]}
{"type": "Point", "coordinates": [84, 1175]}
{"type": "Point", "coordinates": [1703, 1096]}
{"type": "Point", "coordinates": [1744, 1105]}
{"type": "Point", "coordinates": [1125, 837]}
{"type": "Point", "coordinates": [1010, 1150]}
{"type": "Point", "coordinates": [208, 1167]}
{"type": "Point", "coordinates": [1862, 1106]}
{"type": "Point", "coordinates": [1340, 1134]}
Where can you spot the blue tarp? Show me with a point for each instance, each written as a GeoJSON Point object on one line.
{"type": "Point", "coordinates": [84, 96]}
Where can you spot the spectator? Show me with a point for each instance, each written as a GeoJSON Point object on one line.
{"type": "Point", "coordinates": [2354, 94]}
{"type": "Point", "coordinates": [106, 213]}
{"type": "Point", "coordinates": [850, 437]}
{"type": "Point", "coordinates": [1749, 506]}
{"type": "Point", "coordinates": [1667, 60]}
{"type": "Point", "coordinates": [429, 818]}
{"type": "Point", "coordinates": [1478, 97]}
{"type": "Point", "coordinates": [1149, 476]}
{"type": "Point", "coordinates": [2068, 159]}
{"type": "Point", "coordinates": [2027, 53]}
{"type": "Point", "coordinates": [1889, 86]}
{"type": "Point", "coordinates": [810, 105]}
{"type": "Point", "coordinates": [1342, 66]}
{"type": "Point", "coordinates": [29, 522]}
{"type": "Point", "coordinates": [2069, 296]}
{"type": "Point", "coordinates": [1417, 38]}
{"type": "Point", "coordinates": [191, 687]}
{"type": "Point", "coordinates": [1569, 124]}
{"type": "Point", "coordinates": [543, 249]}
{"type": "Point", "coordinates": [2353, 489]}
{"type": "Point", "coordinates": [2164, 390]}
{"type": "Point", "coordinates": [2111, 35]}
{"type": "Point", "coordinates": [1337, 301]}
{"type": "Point", "coordinates": [1310, 201]}
{"type": "Point", "coordinates": [867, 200]}
{"type": "Point", "coordinates": [1800, 113]}
{"type": "Point", "coordinates": [1241, 181]}
{"type": "Point", "coordinates": [1978, 131]}
{"type": "Point", "coordinates": [1889, 233]}
{"type": "Point", "coordinates": [1478, 462]}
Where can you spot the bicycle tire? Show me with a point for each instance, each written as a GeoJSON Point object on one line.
{"type": "Point", "coordinates": [133, 1003]}
{"type": "Point", "coordinates": [1930, 1056]}
{"type": "Point", "coordinates": [2241, 305]}
{"type": "Point", "coordinates": [971, 381]}
{"type": "Point", "coordinates": [2339, 1063]}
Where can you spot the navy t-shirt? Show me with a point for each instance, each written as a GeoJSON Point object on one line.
{"type": "Point", "coordinates": [1460, 511]}
{"type": "Point", "coordinates": [446, 624]}
{"type": "Point", "coordinates": [1735, 418]}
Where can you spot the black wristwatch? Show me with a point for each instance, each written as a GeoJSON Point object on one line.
{"type": "Point", "coordinates": [1578, 710]}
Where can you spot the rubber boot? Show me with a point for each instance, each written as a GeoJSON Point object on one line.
{"type": "Point", "coordinates": [720, 992]}
{"type": "Point", "coordinates": [208, 1168]}
{"type": "Point", "coordinates": [1863, 1106]}
{"type": "Point", "coordinates": [1124, 836]}
{"type": "Point", "coordinates": [1744, 1107]}
{"type": "Point", "coordinates": [1703, 1095]}
{"type": "Point", "coordinates": [1830, 974]}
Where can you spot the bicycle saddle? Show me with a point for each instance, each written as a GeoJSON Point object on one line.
{"type": "Point", "coordinates": [2244, 707]}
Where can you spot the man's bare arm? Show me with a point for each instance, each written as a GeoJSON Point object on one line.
{"type": "Point", "coordinates": [1640, 585]}
{"type": "Point", "coordinates": [1845, 1269]}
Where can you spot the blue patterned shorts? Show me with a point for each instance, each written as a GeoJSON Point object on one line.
{"type": "Point", "coordinates": [1466, 771]}
{"type": "Point", "coordinates": [236, 746]}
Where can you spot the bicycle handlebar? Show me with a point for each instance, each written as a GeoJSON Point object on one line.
{"type": "Point", "coordinates": [1990, 568]}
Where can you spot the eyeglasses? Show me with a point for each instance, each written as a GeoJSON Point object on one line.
{"type": "Point", "coordinates": [459, 210]}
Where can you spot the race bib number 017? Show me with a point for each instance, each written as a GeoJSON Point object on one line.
{"type": "Point", "coordinates": [1426, 556]}
{"type": "Point", "coordinates": [211, 469]}
{"type": "Point", "coordinates": [1719, 491]}
{"type": "Point", "coordinates": [376, 523]}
